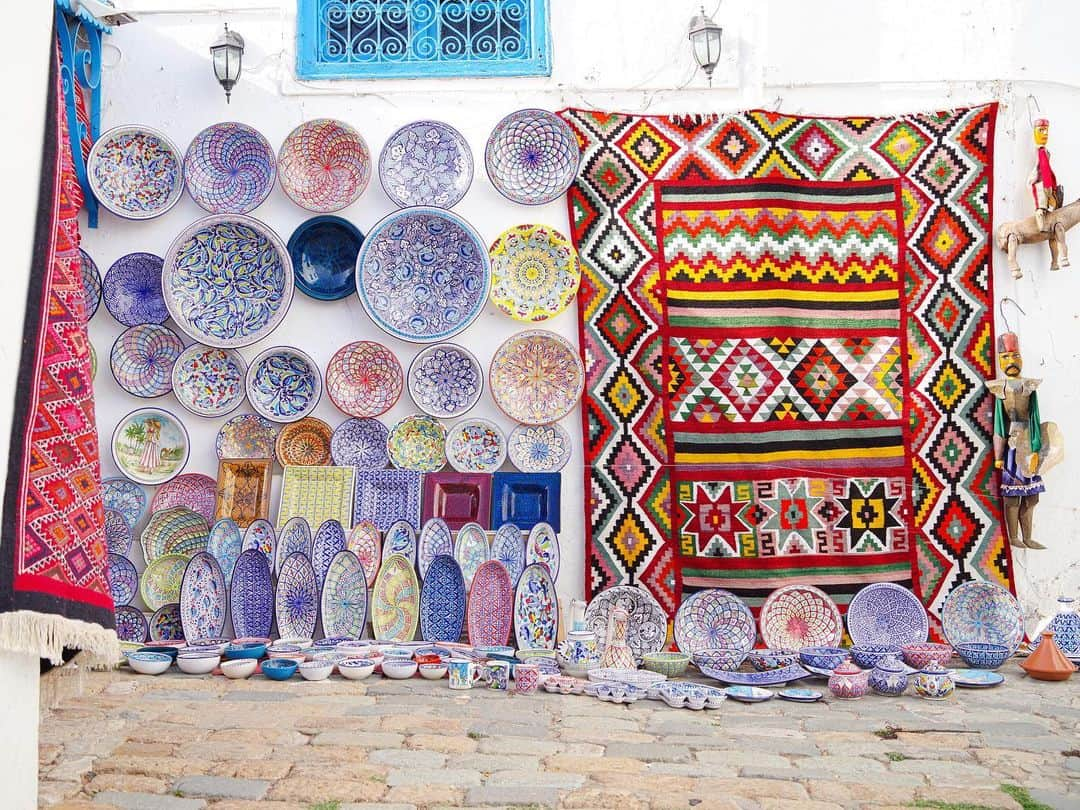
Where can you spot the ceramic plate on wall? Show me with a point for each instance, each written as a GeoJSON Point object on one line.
{"type": "Point", "coordinates": [534, 272]}
{"type": "Point", "coordinates": [123, 579]}
{"type": "Point", "coordinates": [296, 598]}
{"type": "Point", "coordinates": [539, 448]}
{"type": "Point", "coordinates": [360, 443]}
{"type": "Point", "coordinates": [508, 547]}
{"type": "Point", "coordinates": [251, 596]}
{"type": "Point", "coordinates": [386, 496]}
{"type": "Point", "coordinates": [324, 165]}
{"type": "Point", "coordinates": [209, 382]}
{"type": "Point", "coordinates": [135, 172]}
{"type": "Point", "coordinates": [426, 163]}
{"type": "Point", "coordinates": [203, 598]}
{"type": "Point", "coordinates": [714, 618]}
{"type": "Point", "coordinates": [246, 436]}
{"type": "Point", "coordinates": [142, 359]}
{"type": "Point", "coordinates": [323, 252]}
{"type": "Point", "coordinates": [196, 491]}
{"type": "Point", "coordinates": [365, 542]}
{"type": "Point", "coordinates": [445, 380]}
{"type": "Point", "coordinates": [543, 547]}
{"type": "Point", "coordinates": [442, 600]}
{"type": "Point", "coordinates": [536, 377]}
{"type": "Point", "coordinates": [395, 601]}
{"type": "Point", "coordinates": [118, 535]}
{"type": "Point", "coordinates": [166, 624]}
{"type": "Point", "coordinates": [283, 384]}
{"type": "Point", "coordinates": [400, 538]}
{"type": "Point", "coordinates": [471, 550]}
{"type": "Point", "coordinates": [491, 606]}
{"type": "Point", "coordinates": [328, 541]}
{"type": "Point", "coordinates": [423, 274]}
{"type": "Point", "coordinates": [243, 490]}
{"type": "Point", "coordinates": [225, 543]}
{"type": "Point", "coordinates": [532, 157]}
{"type": "Point", "coordinates": [417, 443]}
{"type": "Point", "coordinates": [161, 581]}
{"type": "Point", "coordinates": [150, 446]}
{"type": "Point", "coordinates": [344, 597]}
{"type": "Point", "coordinates": [227, 280]}
{"type": "Point", "coordinates": [91, 283]}
{"type": "Point", "coordinates": [364, 379]}
{"type": "Point", "coordinates": [798, 616]}
{"type": "Point", "coordinates": [475, 446]}
{"type": "Point", "coordinates": [176, 530]}
{"type": "Point", "coordinates": [131, 625]}
{"type": "Point", "coordinates": [647, 628]}
{"type": "Point", "coordinates": [132, 292]}
{"type": "Point", "coordinates": [260, 535]}
{"type": "Point", "coordinates": [435, 539]}
{"type": "Point", "coordinates": [304, 443]}
{"type": "Point", "coordinates": [125, 497]}
{"type": "Point", "coordinates": [536, 610]}
{"type": "Point", "coordinates": [229, 168]}
{"type": "Point", "coordinates": [294, 538]}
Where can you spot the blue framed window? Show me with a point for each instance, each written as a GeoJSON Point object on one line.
{"type": "Point", "coordinates": [408, 39]}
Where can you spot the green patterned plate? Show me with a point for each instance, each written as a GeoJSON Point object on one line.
{"type": "Point", "coordinates": [161, 581]}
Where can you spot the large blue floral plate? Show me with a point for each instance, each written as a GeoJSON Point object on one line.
{"type": "Point", "coordinates": [435, 539]}
{"type": "Point", "coordinates": [445, 380]}
{"type": "Point", "coordinates": [135, 172]}
{"type": "Point", "coordinates": [123, 579]}
{"type": "Point", "coordinates": [536, 609]}
{"type": "Point", "coordinates": [225, 544]}
{"type": "Point", "coordinates": [323, 252]}
{"type": "Point", "coordinates": [328, 541]}
{"type": "Point", "coordinates": [423, 274]}
{"type": "Point", "coordinates": [296, 599]}
{"type": "Point", "coordinates": [714, 618]}
{"type": "Point", "coordinates": [983, 612]}
{"type": "Point", "coordinates": [91, 283]}
{"type": "Point", "coordinates": [426, 163]}
{"type": "Point", "coordinates": [132, 291]}
{"type": "Point", "coordinates": [125, 497]}
{"type": "Point", "coordinates": [532, 157]}
{"type": "Point", "coordinates": [208, 381]}
{"type": "Point", "coordinates": [227, 281]}
{"type": "Point", "coordinates": [229, 168]}
{"type": "Point", "coordinates": [886, 613]}
{"type": "Point", "coordinates": [251, 596]}
{"type": "Point", "coordinates": [283, 384]}
{"type": "Point", "coordinates": [344, 597]}
{"type": "Point", "coordinates": [508, 547]}
{"type": "Point", "coordinates": [150, 446]}
{"type": "Point", "coordinates": [647, 625]}
{"type": "Point", "coordinates": [203, 598]}
{"type": "Point", "coordinates": [360, 443]}
{"type": "Point", "coordinates": [442, 600]}
{"type": "Point", "coordinates": [142, 359]}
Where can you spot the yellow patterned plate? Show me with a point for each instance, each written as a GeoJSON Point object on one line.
{"type": "Point", "coordinates": [534, 272]}
{"type": "Point", "coordinates": [395, 600]}
{"type": "Point", "coordinates": [161, 581]}
{"type": "Point", "coordinates": [417, 443]}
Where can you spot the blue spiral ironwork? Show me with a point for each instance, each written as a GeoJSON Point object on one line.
{"type": "Point", "coordinates": [422, 38]}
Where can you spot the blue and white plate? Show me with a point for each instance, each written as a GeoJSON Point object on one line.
{"type": "Point", "coordinates": [800, 695]}
{"type": "Point", "coordinates": [323, 252]}
{"type": "Point", "coordinates": [426, 163]}
{"type": "Point", "coordinates": [536, 609]}
{"type": "Point", "coordinates": [360, 443]}
{"type": "Point", "coordinates": [91, 283]}
{"type": "Point", "coordinates": [229, 168]}
{"type": "Point", "coordinates": [770, 677]}
{"type": "Point", "coordinates": [714, 618]}
{"type": "Point", "coordinates": [203, 598]}
{"type": "Point", "coordinates": [539, 448]}
{"type": "Point", "coordinates": [131, 624]}
{"type": "Point", "coordinates": [532, 156]}
{"type": "Point", "coordinates": [118, 535]}
{"type": "Point", "coordinates": [131, 290]}
{"type": "Point", "coordinates": [251, 596]}
{"type": "Point", "coordinates": [886, 613]}
{"type": "Point", "coordinates": [328, 541]}
{"type": "Point", "coordinates": [126, 497]}
{"type": "Point", "coordinates": [284, 384]}
{"type": "Point", "coordinates": [123, 579]}
{"type": "Point", "coordinates": [977, 678]}
{"type": "Point", "coordinates": [442, 600]}
{"type": "Point", "coordinates": [748, 694]}
{"type": "Point", "coordinates": [260, 534]}
{"type": "Point", "coordinates": [344, 597]}
{"type": "Point", "coordinates": [435, 539]}
{"type": "Point", "coordinates": [543, 547]}
{"type": "Point", "coordinates": [983, 612]}
{"type": "Point", "coordinates": [225, 544]}
{"type": "Point", "coordinates": [445, 380]}
{"type": "Point", "coordinates": [135, 172]}
{"type": "Point", "coordinates": [508, 547]}
{"type": "Point", "coordinates": [471, 550]}
{"type": "Point", "coordinates": [295, 536]}
{"type": "Point", "coordinates": [296, 598]}
{"type": "Point", "coordinates": [400, 538]}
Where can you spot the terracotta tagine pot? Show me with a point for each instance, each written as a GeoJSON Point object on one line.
{"type": "Point", "coordinates": [1048, 662]}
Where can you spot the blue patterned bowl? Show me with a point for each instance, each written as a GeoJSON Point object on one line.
{"type": "Point", "coordinates": [149, 663]}
{"type": "Point", "coordinates": [983, 656]}
{"type": "Point", "coordinates": [398, 653]}
{"type": "Point", "coordinates": [868, 655]}
{"type": "Point", "coordinates": [246, 649]}
{"type": "Point", "coordinates": [823, 657]}
{"type": "Point", "coordinates": [165, 649]}
{"type": "Point", "coordinates": [765, 660]}
{"type": "Point", "coordinates": [728, 659]}
{"type": "Point", "coordinates": [279, 669]}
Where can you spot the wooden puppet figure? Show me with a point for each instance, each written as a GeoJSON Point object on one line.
{"type": "Point", "coordinates": [1045, 190]}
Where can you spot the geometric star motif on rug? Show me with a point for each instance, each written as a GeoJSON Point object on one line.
{"type": "Point", "coordinates": [870, 515]}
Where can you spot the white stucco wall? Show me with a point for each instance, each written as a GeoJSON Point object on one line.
{"type": "Point", "coordinates": [830, 57]}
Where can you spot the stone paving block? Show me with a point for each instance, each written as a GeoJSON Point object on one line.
{"type": "Point", "coordinates": [51, 791]}
{"type": "Point", "coordinates": [271, 769]}
{"type": "Point", "coordinates": [452, 778]}
{"type": "Point", "coordinates": [222, 787]}
{"type": "Point", "coordinates": [177, 695]}
{"type": "Point", "coordinates": [455, 744]}
{"type": "Point", "coordinates": [359, 739]}
{"type": "Point", "coordinates": [147, 801]}
{"type": "Point", "coordinates": [650, 752]}
{"type": "Point", "coordinates": [574, 763]}
{"type": "Point", "coordinates": [536, 779]}
{"type": "Point", "coordinates": [595, 799]}
{"type": "Point", "coordinates": [422, 795]}
{"type": "Point", "coordinates": [262, 804]}
{"type": "Point", "coordinates": [850, 793]}
{"type": "Point", "coordinates": [264, 696]}
{"type": "Point", "coordinates": [376, 806]}
{"type": "Point", "coordinates": [406, 758]}
{"type": "Point", "coordinates": [488, 763]}
{"type": "Point", "coordinates": [1055, 800]}
{"type": "Point", "coordinates": [492, 729]}
{"type": "Point", "coordinates": [737, 758]}
{"type": "Point", "coordinates": [508, 796]}
{"type": "Point", "coordinates": [126, 782]}
{"type": "Point", "coordinates": [1048, 742]}
{"type": "Point", "coordinates": [313, 789]}
{"type": "Point", "coordinates": [71, 769]}
{"type": "Point", "coordinates": [946, 774]}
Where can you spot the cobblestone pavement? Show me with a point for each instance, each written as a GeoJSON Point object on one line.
{"type": "Point", "coordinates": [179, 742]}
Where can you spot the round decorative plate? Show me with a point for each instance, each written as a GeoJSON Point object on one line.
{"type": "Point", "coordinates": [294, 537]}
{"type": "Point", "coordinates": [225, 543]}
{"type": "Point", "coordinates": [395, 601]}
{"type": "Point", "coordinates": [364, 378]}
{"type": "Point", "coordinates": [203, 598]}
{"type": "Point", "coordinates": [471, 550]}
{"type": "Point", "coordinates": [400, 538]}
{"type": "Point", "coordinates": [142, 359]}
{"type": "Point", "coordinates": [490, 611]}
{"type": "Point", "coordinates": [166, 623]}
{"type": "Point", "coordinates": [536, 610]}
{"type": "Point", "coordinates": [208, 381]}
{"type": "Point", "coordinates": [543, 547]}
{"type": "Point", "coordinates": [304, 443]}
{"type": "Point", "coordinates": [123, 579]}
{"type": "Point", "coordinates": [539, 448]}
{"type": "Point", "coordinates": [260, 535]}
{"type": "Point", "coordinates": [131, 290]}
{"type": "Point", "coordinates": [227, 281]}
{"type": "Point", "coordinates": [976, 678]}
{"type": "Point", "coordinates": [648, 622]}
{"type": "Point", "coordinates": [442, 601]}
{"type": "Point", "coordinates": [126, 497]}
{"type": "Point", "coordinates": [417, 443]}
{"type": "Point", "coordinates": [983, 612]}
{"type": "Point", "coordinates": [534, 272]}
{"type": "Point", "coordinates": [366, 543]}
{"type": "Point", "coordinates": [196, 491]}
{"type": "Point", "coordinates": [283, 384]}
{"type": "Point", "coordinates": [536, 377]}
{"type": "Point", "coordinates": [117, 532]}
{"type": "Point", "coordinates": [423, 274]}
{"type": "Point", "coordinates": [131, 625]}
{"type": "Point", "coordinates": [435, 539]}
{"type": "Point", "coordinates": [324, 165]}
{"type": "Point", "coordinates": [714, 618]}
{"type": "Point", "coordinates": [246, 436]}
{"type": "Point", "coordinates": [328, 541]}
{"type": "Point", "coordinates": [176, 530]}
{"type": "Point", "coordinates": [296, 598]}
{"type": "Point", "coordinates": [798, 616]}
{"type": "Point", "coordinates": [91, 283]}
{"type": "Point", "coordinates": [360, 443]}
{"type": "Point", "coordinates": [886, 613]}
{"type": "Point", "coordinates": [532, 157]}
{"type": "Point", "coordinates": [150, 446]}
{"type": "Point", "coordinates": [135, 172]}
{"type": "Point", "coordinates": [475, 446]}
{"type": "Point", "coordinates": [161, 581]}
{"type": "Point", "coordinates": [445, 380]}
{"type": "Point", "coordinates": [251, 596]}
{"type": "Point", "coordinates": [323, 252]}
{"type": "Point", "coordinates": [426, 163]}
{"type": "Point", "coordinates": [344, 597]}
{"type": "Point", "coordinates": [508, 547]}
{"type": "Point", "coordinates": [229, 168]}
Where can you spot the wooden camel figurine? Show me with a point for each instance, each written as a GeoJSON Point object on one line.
{"type": "Point", "coordinates": [1024, 231]}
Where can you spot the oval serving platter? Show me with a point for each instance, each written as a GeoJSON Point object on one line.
{"type": "Point", "coordinates": [435, 539]}
{"type": "Point", "coordinates": [543, 547]}
{"type": "Point", "coordinates": [395, 601]}
{"type": "Point", "coordinates": [490, 611]}
{"type": "Point", "coordinates": [471, 550]}
{"type": "Point", "coordinates": [296, 598]}
{"type": "Point", "coordinates": [251, 596]}
{"type": "Point", "coordinates": [508, 547]}
{"type": "Point", "coordinates": [365, 542]}
{"type": "Point", "coordinates": [536, 609]}
{"type": "Point", "coordinates": [328, 541]}
{"type": "Point", "coordinates": [344, 600]}
{"type": "Point", "coordinates": [203, 598]}
{"type": "Point", "coordinates": [442, 600]}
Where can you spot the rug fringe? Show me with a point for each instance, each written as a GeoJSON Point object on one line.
{"type": "Point", "coordinates": [46, 635]}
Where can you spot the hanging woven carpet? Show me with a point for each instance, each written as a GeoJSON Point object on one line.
{"type": "Point", "coordinates": [944, 166]}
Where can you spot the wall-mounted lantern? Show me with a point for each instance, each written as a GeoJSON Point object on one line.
{"type": "Point", "coordinates": [705, 39]}
{"type": "Point", "coordinates": [228, 55]}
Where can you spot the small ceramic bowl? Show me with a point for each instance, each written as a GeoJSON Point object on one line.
{"type": "Point", "coordinates": [356, 669]}
{"type": "Point", "coordinates": [332, 641]}
{"type": "Point", "coordinates": [238, 668]}
{"type": "Point", "coordinates": [672, 664]}
{"type": "Point", "coordinates": [149, 663]}
{"type": "Point", "coordinates": [206, 644]}
{"type": "Point", "coordinates": [398, 668]}
{"type": "Point", "coordinates": [299, 657]}
{"type": "Point", "coordinates": [356, 645]}
{"type": "Point", "coordinates": [443, 654]}
{"type": "Point", "coordinates": [198, 663]}
{"type": "Point", "coordinates": [398, 653]}
{"type": "Point", "coordinates": [868, 655]}
{"type": "Point", "coordinates": [245, 649]}
{"type": "Point", "coordinates": [251, 640]}
{"type": "Point", "coordinates": [316, 670]}
{"type": "Point", "coordinates": [766, 660]}
{"type": "Point", "coordinates": [922, 655]}
{"type": "Point", "coordinates": [282, 650]}
{"type": "Point", "coordinates": [983, 656]}
{"type": "Point", "coordinates": [433, 672]}
{"type": "Point", "coordinates": [330, 657]}
{"type": "Point", "coordinates": [495, 651]}
{"type": "Point", "coordinates": [728, 659]}
{"type": "Point", "coordinates": [165, 649]}
{"type": "Point", "coordinates": [823, 657]}
{"type": "Point", "coordinates": [279, 669]}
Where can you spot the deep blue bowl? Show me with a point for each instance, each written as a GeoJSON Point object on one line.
{"type": "Point", "coordinates": [983, 656]}
{"type": "Point", "coordinates": [246, 649]}
{"type": "Point", "coordinates": [868, 655]}
{"type": "Point", "coordinates": [823, 657]}
{"type": "Point", "coordinates": [323, 252]}
{"type": "Point", "coordinates": [279, 669]}
{"type": "Point", "coordinates": [170, 651]}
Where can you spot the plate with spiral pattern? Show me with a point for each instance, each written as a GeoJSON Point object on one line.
{"type": "Point", "coordinates": [132, 290]}
{"type": "Point", "coordinates": [798, 616]}
{"type": "Point", "coordinates": [442, 600]}
{"type": "Point", "coordinates": [304, 443]}
{"type": "Point", "coordinates": [887, 613]}
{"type": "Point", "coordinates": [364, 379]}
{"type": "Point", "coordinates": [983, 612]}
{"type": "Point", "coordinates": [536, 377]}
{"type": "Point", "coordinates": [344, 597]}
{"type": "Point", "coordinates": [395, 600]}
{"type": "Point", "coordinates": [296, 598]}
{"type": "Point", "coordinates": [532, 157]}
{"type": "Point", "coordinates": [714, 618]}
{"type": "Point", "coordinates": [203, 598]}
{"type": "Point", "coordinates": [229, 168]}
{"type": "Point", "coordinates": [142, 359]}
{"type": "Point", "coordinates": [251, 596]}
{"type": "Point", "coordinates": [324, 165]}
{"type": "Point", "coordinates": [647, 628]}
{"type": "Point", "coordinates": [208, 381]}
{"type": "Point", "coordinates": [490, 611]}
{"type": "Point", "coordinates": [283, 384]}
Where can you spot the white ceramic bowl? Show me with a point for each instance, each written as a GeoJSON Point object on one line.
{"type": "Point", "coordinates": [239, 668]}
{"type": "Point", "coordinates": [398, 668]}
{"type": "Point", "coordinates": [316, 670]}
{"type": "Point", "coordinates": [356, 669]}
{"type": "Point", "coordinates": [198, 663]}
{"type": "Point", "coordinates": [433, 672]}
{"type": "Point", "coordinates": [302, 643]}
{"type": "Point", "coordinates": [149, 663]}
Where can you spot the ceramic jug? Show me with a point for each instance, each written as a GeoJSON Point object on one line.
{"type": "Point", "coordinates": [617, 652]}
{"type": "Point", "coordinates": [578, 653]}
{"type": "Point", "coordinates": [889, 677]}
{"type": "Point", "coordinates": [933, 682]}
